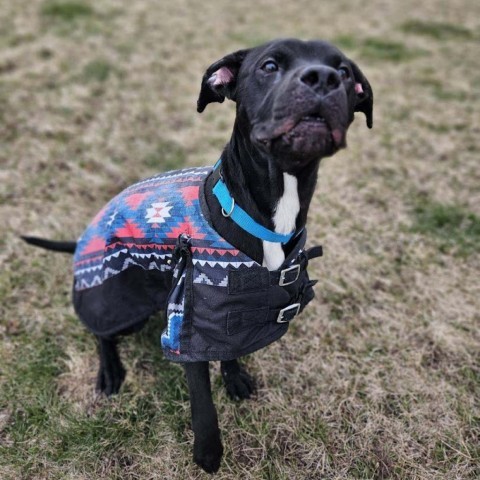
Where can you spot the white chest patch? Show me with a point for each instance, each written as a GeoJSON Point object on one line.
{"type": "Point", "coordinates": [284, 220]}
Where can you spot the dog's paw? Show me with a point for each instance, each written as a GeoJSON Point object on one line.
{"type": "Point", "coordinates": [240, 385]}
{"type": "Point", "coordinates": [208, 455]}
{"type": "Point", "coordinates": [109, 381]}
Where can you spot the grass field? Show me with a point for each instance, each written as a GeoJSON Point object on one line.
{"type": "Point", "coordinates": [380, 378]}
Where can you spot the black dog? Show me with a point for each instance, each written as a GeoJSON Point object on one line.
{"type": "Point", "coordinates": [295, 101]}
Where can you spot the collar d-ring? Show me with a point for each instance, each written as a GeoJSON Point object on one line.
{"type": "Point", "coordinates": [225, 214]}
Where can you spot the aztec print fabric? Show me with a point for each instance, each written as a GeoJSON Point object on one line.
{"type": "Point", "coordinates": [141, 225]}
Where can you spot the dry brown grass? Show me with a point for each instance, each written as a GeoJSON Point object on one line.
{"type": "Point", "coordinates": [381, 377]}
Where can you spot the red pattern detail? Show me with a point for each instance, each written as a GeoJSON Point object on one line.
{"type": "Point", "coordinates": [187, 227]}
{"type": "Point", "coordinates": [96, 244]}
{"type": "Point", "coordinates": [190, 193]}
{"type": "Point", "coordinates": [130, 230]}
{"type": "Point", "coordinates": [90, 260]}
{"type": "Point", "coordinates": [135, 199]}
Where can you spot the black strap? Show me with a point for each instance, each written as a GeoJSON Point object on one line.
{"type": "Point", "coordinates": [216, 175]}
{"type": "Point", "coordinates": [315, 252]}
{"type": "Point", "coordinates": [257, 279]}
{"type": "Point", "coordinates": [253, 279]}
{"type": "Point", "coordinates": [244, 319]}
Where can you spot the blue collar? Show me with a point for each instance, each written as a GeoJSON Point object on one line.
{"type": "Point", "coordinates": [231, 210]}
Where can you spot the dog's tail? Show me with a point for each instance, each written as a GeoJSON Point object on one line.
{"type": "Point", "coordinates": [66, 247]}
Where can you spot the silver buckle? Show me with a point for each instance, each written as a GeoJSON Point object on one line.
{"type": "Point", "coordinates": [284, 272]}
{"type": "Point", "coordinates": [293, 306]}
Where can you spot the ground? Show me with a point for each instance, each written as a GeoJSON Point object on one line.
{"type": "Point", "coordinates": [380, 377]}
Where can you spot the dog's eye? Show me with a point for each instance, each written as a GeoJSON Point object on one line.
{"type": "Point", "coordinates": [344, 73]}
{"type": "Point", "coordinates": [270, 66]}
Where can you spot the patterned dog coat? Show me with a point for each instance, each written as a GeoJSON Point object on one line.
{"type": "Point", "coordinates": [152, 248]}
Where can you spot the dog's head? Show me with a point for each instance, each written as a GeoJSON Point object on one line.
{"type": "Point", "coordinates": [296, 99]}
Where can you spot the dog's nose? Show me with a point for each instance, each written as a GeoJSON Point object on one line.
{"type": "Point", "coordinates": [320, 78]}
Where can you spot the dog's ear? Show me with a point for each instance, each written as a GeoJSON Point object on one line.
{"type": "Point", "coordinates": [220, 80]}
{"type": "Point", "coordinates": [364, 94]}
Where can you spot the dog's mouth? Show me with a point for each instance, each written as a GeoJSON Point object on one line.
{"type": "Point", "coordinates": [316, 124]}
{"type": "Point", "coordinates": [313, 126]}
{"type": "Point", "coordinates": [311, 134]}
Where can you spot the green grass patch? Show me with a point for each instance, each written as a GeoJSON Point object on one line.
{"type": "Point", "coordinates": [67, 11]}
{"type": "Point", "coordinates": [343, 303]}
{"type": "Point", "coordinates": [456, 229]}
{"type": "Point", "coordinates": [347, 42]}
{"type": "Point", "coordinates": [440, 93]}
{"type": "Point", "coordinates": [29, 393]}
{"type": "Point", "coordinates": [45, 53]}
{"type": "Point", "coordinates": [118, 424]}
{"type": "Point", "coordinates": [248, 40]}
{"type": "Point", "coordinates": [441, 127]}
{"type": "Point", "coordinates": [37, 362]}
{"type": "Point", "coordinates": [97, 70]}
{"type": "Point", "coordinates": [168, 155]}
{"type": "Point", "coordinates": [366, 467]}
{"type": "Point", "coordinates": [470, 376]}
{"type": "Point", "coordinates": [437, 30]}
{"type": "Point", "coordinates": [379, 49]}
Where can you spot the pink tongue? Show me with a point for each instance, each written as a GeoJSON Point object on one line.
{"type": "Point", "coordinates": [338, 137]}
{"type": "Point", "coordinates": [283, 128]}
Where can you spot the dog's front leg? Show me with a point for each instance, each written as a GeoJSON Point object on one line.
{"type": "Point", "coordinates": [239, 384]}
{"type": "Point", "coordinates": [207, 447]}
{"type": "Point", "coordinates": [111, 372]}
